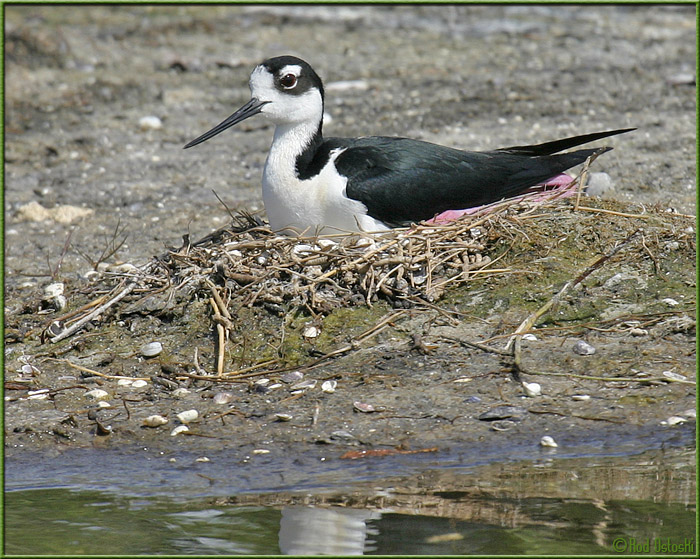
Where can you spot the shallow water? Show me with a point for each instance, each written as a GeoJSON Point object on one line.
{"type": "Point", "coordinates": [112, 502]}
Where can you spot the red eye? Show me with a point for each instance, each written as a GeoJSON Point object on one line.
{"type": "Point", "coordinates": [288, 81]}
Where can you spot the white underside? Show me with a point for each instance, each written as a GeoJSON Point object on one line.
{"type": "Point", "coordinates": [308, 207]}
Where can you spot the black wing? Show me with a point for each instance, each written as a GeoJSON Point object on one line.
{"type": "Point", "coordinates": [402, 180]}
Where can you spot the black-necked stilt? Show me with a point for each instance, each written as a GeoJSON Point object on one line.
{"type": "Point", "coordinates": [373, 183]}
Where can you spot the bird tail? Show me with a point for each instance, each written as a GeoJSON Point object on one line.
{"type": "Point", "coordinates": [556, 146]}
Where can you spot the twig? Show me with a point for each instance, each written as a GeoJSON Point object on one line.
{"type": "Point", "coordinates": [98, 311]}
{"type": "Point", "coordinates": [93, 372]}
{"type": "Point", "coordinates": [221, 331]}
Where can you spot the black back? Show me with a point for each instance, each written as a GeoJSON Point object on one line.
{"type": "Point", "coordinates": [402, 180]}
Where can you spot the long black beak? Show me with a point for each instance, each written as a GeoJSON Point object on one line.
{"type": "Point", "coordinates": [251, 108]}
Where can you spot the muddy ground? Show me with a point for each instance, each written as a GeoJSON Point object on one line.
{"type": "Point", "coordinates": [78, 81]}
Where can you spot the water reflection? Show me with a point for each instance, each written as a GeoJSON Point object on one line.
{"type": "Point", "coordinates": [580, 506]}
{"type": "Point", "coordinates": [332, 531]}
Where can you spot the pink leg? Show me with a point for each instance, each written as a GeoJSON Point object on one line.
{"type": "Point", "coordinates": [535, 193]}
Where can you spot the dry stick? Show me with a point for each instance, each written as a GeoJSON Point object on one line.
{"type": "Point", "coordinates": [581, 179]}
{"type": "Point", "coordinates": [92, 372]}
{"type": "Point", "coordinates": [611, 212]}
{"type": "Point", "coordinates": [99, 310]}
{"type": "Point", "coordinates": [221, 338]}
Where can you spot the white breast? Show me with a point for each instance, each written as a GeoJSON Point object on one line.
{"type": "Point", "coordinates": [317, 205]}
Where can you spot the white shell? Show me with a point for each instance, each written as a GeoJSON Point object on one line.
{"type": "Point", "coordinates": [583, 348]}
{"type": "Point", "coordinates": [151, 349]}
{"type": "Point", "coordinates": [139, 383]}
{"type": "Point", "coordinates": [222, 398]}
{"type": "Point", "coordinates": [261, 451]}
{"type": "Point", "coordinates": [548, 441]}
{"type": "Point", "coordinates": [311, 332]}
{"type": "Point", "coordinates": [294, 376]}
{"type": "Point", "coordinates": [179, 429]}
{"type": "Point", "coordinates": [581, 397]}
{"type": "Point", "coordinates": [155, 421]}
{"type": "Point", "coordinates": [529, 337]}
{"type": "Point", "coordinates": [532, 389]}
{"type": "Point", "coordinates": [674, 376]}
{"type": "Point", "coordinates": [97, 394]}
{"type": "Point", "coordinates": [326, 243]}
{"type": "Point", "coordinates": [103, 404]}
{"type": "Point", "coordinates": [329, 386]}
{"type": "Point", "coordinates": [674, 420]}
{"type": "Point", "coordinates": [124, 382]}
{"type": "Point", "coordinates": [150, 123]}
{"type": "Point", "coordinates": [284, 417]}
{"type": "Point", "coordinates": [202, 459]}
{"type": "Point", "coordinates": [54, 290]}
{"type": "Point", "coordinates": [188, 416]}
{"type": "Point", "coordinates": [304, 384]}
{"type": "Point", "coordinates": [670, 302]}
{"type": "Point", "coordinates": [302, 249]}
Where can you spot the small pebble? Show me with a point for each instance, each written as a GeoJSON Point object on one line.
{"type": "Point", "coordinates": [638, 332]}
{"type": "Point", "coordinates": [261, 451]}
{"type": "Point", "coordinates": [150, 123]}
{"type": "Point", "coordinates": [329, 386]}
{"type": "Point", "coordinates": [580, 397]}
{"type": "Point", "coordinates": [188, 416]}
{"type": "Point", "coordinates": [284, 417]}
{"type": "Point", "coordinates": [532, 389]}
{"type": "Point", "coordinates": [151, 349]}
{"type": "Point", "coordinates": [155, 421]}
{"type": "Point", "coordinates": [179, 429]}
{"type": "Point", "coordinates": [691, 413]}
{"type": "Point", "coordinates": [180, 393]}
{"type": "Point", "coordinates": [583, 348]}
{"type": "Point", "coordinates": [548, 441]}
{"type": "Point", "coordinates": [124, 382]}
{"type": "Point", "coordinates": [503, 412]}
{"type": "Point", "coordinates": [139, 383]}
{"type": "Point", "coordinates": [97, 394]}
{"type": "Point", "coordinates": [599, 184]}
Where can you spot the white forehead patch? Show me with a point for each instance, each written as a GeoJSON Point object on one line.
{"type": "Point", "coordinates": [291, 69]}
{"type": "Point", "coordinates": [260, 79]}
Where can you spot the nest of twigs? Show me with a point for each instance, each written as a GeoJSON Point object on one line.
{"type": "Point", "coordinates": [246, 264]}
